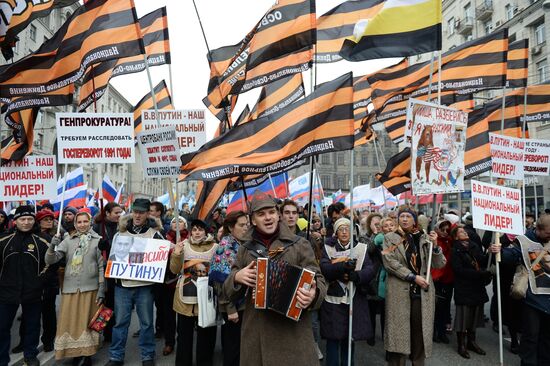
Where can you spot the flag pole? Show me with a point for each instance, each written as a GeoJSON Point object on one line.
{"type": "Point", "coordinates": [177, 214]}
{"type": "Point", "coordinates": [523, 134]}
{"type": "Point", "coordinates": [62, 199]}
{"type": "Point", "coordinates": [379, 169]}
{"type": "Point", "coordinates": [313, 84]}
{"type": "Point", "coordinates": [352, 231]}
{"type": "Point", "coordinates": [93, 91]}
{"type": "Point", "coordinates": [272, 185]}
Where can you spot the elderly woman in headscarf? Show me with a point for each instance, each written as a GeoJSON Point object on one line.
{"type": "Point", "coordinates": [410, 298]}
{"type": "Point", "coordinates": [342, 265]}
{"type": "Point", "coordinates": [83, 290]}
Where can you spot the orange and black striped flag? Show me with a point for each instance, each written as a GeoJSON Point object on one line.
{"type": "Point", "coordinates": [243, 116]}
{"type": "Point", "coordinates": [16, 15]}
{"type": "Point", "coordinates": [476, 65]}
{"type": "Point", "coordinates": [477, 154]}
{"type": "Point", "coordinates": [163, 99]}
{"type": "Point", "coordinates": [277, 95]}
{"type": "Point", "coordinates": [518, 64]}
{"type": "Point", "coordinates": [319, 123]}
{"type": "Point", "coordinates": [154, 30]}
{"type": "Point", "coordinates": [337, 24]}
{"type": "Point", "coordinates": [397, 175]}
{"type": "Point", "coordinates": [209, 194]}
{"type": "Point", "coordinates": [63, 96]}
{"type": "Point", "coordinates": [280, 44]}
{"type": "Point", "coordinates": [98, 31]}
{"type": "Point", "coordinates": [19, 144]}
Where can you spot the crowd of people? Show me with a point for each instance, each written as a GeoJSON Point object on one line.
{"type": "Point", "coordinates": [379, 261]}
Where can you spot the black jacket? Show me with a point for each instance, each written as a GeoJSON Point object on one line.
{"type": "Point", "coordinates": [21, 266]}
{"type": "Point", "coordinates": [470, 281]}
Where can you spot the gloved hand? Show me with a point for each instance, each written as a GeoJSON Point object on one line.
{"type": "Point", "coordinates": [56, 240]}
{"type": "Point", "coordinates": [349, 265]}
{"type": "Point", "coordinates": [354, 277]}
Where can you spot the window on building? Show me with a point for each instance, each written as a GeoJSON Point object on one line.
{"type": "Point", "coordinates": [364, 179]}
{"type": "Point", "coordinates": [542, 71]}
{"type": "Point", "coordinates": [364, 159]}
{"type": "Point", "coordinates": [340, 159]}
{"type": "Point", "coordinates": [451, 26]}
{"type": "Point", "coordinates": [468, 12]}
{"type": "Point", "coordinates": [325, 159]}
{"type": "Point", "coordinates": [540, 33]}
{"type": "Point", "coordinates": [325, 181]}
{"type": "Point", "coordinates": [387, 141]}
{"type": "Point", "coordinates": [512, 38]}
{"type": "Point", "coordinates": [32, 33]}
{"type": "Point", "coordinates": [39, 141]}
{"type": "Point", "coordinates": [509, 11]}
{"type": "Point", "coordinates": [340, 182]}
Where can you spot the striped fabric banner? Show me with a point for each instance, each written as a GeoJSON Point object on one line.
{"type": "Point", "coordinates": [337, 24]}
{"type": "Point", "coordinates": [154, 30]}
{"type": "Point", "coordinates": [164, 101]}
{"type": "Point", "coordinates": [399, 28]}
{"type": "Point", "coordinates": [277, 95]}
{"type": "Point", "coordinates": [209, 194]}
{"type": "Point", "coordinates": [475, 65]}
{"type": "Point", "coordinates": [319, 123]}
{"type": "Point", "coordinates": [99, 31]}
{"type": "Point", "coordinates": [16, 15]}
{"type": "Point", "coordinates": [280, 44]}
{"type": "Point", "coordinates": [19, 144]}
{"type": "Point", "coordinates": [397, 175]}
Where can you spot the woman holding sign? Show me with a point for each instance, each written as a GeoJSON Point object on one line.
{"type": "Point", "coordinates": [83, 290]}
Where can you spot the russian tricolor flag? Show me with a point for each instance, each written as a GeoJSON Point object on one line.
{"type": "Point", "coordinates": [74, 178]}
{"type": "Point", "coordinates": [75, 197]}
{"type": "Point", "coordinates": [276, 187]}
{"type": "Point", "coordinates": [109, 190]}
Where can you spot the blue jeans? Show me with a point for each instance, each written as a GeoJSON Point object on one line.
{"type": "Point", "coordinates": [337, 352]}
{"type": "Point", "coordinates": [125, 299]}
{"type": "Point", "coordinates": [31, 330]}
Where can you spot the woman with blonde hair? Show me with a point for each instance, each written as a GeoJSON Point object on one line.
{"type": "Point", "coordinates": [410, 298]}
{"type": "Point", "coordinates": [83, 290]}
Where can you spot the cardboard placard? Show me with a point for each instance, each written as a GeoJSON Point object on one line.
{"type": "Point", "coordinates": [32, 178]}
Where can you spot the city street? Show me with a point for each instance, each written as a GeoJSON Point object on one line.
{"type": "Point", "coordinates": [443, 354]}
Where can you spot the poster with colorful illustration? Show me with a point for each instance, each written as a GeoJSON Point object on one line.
{"type": "Point", "coordinates": [539, 268]}
{"type": "Point", "coordinates": [438, 139]}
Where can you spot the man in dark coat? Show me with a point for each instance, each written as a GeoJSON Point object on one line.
{"type": "Point", "coordinates": [268, 338]}
{"type": "Point", "coordinates": [535, 336]}
{"type": "Point", "coordinates": [21, 268]}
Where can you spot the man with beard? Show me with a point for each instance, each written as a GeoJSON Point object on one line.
{"type": "Point", "coordinates": [67, 220]}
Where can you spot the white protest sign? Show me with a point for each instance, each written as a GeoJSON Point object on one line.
{"type": "Point", "coordinates": [138, 259]}
{"type": "Point", "coordinates": [536, 157]}
{"type": "Point", "coordinates": [95, 138]}
{"type": "Point", "coordinates": [160, 152]}
{"type": "Point", "coordinates": [189, 123]}
{"type": "Point", "coordinates": [32, 178]}
{"type": "Point", "coordinates": [437, 148]}
{"type": "Point", "coordinates": [497, 208]}
{"type": "Point", "coordinates": [507, 156]}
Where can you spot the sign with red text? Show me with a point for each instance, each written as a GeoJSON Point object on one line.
{"type": "Point", "coordinates": [497, 208]}
{"type": "Point", "coordinates": [95, 138]}
{"type": "Point", "coordinates": [32, 178]}
{"type": "Point", "coordinates": [137, 259]}
{"type": "Point", "coordinates": [160, 152]}
{"type": "Point", "coordinates": [536, 157]}
{"type": "Point", "coordinates": [189, 123]}
{"type": "Point", "coordinates": [507, 156]}
{"type": "Point", "coordinates": [438, 140]}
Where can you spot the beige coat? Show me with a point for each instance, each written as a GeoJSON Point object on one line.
{"type": "Point", "coordinates": [398, 302]}
{"type": "Point", "coordinates": [268, 338]}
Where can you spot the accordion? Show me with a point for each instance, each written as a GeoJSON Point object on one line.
{"type": "Point", "coordinates": [277, 283]}
{"type": "Point", "coordinates": [100, 319]}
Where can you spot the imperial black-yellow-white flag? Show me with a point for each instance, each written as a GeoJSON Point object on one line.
{"type": "Point", "coordinates": [319, 123]}
{"type": "Point", "coordinates": [400, 28]}
{"type": "Point", "coordinates": [98, 31]}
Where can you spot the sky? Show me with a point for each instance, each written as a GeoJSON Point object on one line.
{"type": "Point", "coordinates": [225, 23]}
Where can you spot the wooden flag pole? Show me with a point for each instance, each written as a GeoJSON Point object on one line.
{"type": "Point", "coordinates": [352, 232]}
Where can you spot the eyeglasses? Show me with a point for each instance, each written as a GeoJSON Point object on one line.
{"type": "Point", "coordinates": [343, 229]}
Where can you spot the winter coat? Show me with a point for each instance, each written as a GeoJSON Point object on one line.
{"type": "Point", "coordinates": [470, 281]}
{"type": "Point", "coordinates": [91, 276]}
{"type": "Point", "coordinates": [335, 317]}
{"type": "Point", "coordinates": [22, 267]}
{"type": "Point", "coordinates": [268, 338]}
{"type": "Point", "coordinates": [4, 223]}
{"type": "Point", "coordinates": [397, 335]}
{"type": "Point", "coordinates": [445, 275]}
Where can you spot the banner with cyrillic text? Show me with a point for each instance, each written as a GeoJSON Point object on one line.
{"type": "Point", "coordinates": [507, 156]}
{"type": "Point", "coordinates": [137, 259]}
{"type": "Point", "coordinates": [32, 178]}
{"type": "Point", "coordinates": [497, 208]}
{"type": "Point", "coordinates": [160, 152]}
{"type": "Point", "coordinates": [536, 157]}
{"type": "Point", "coordinates": [95, 138]}
{"type": "Point", "coordinates": [189, 123]}
{"type": "Point", "coordinates": [438, 140]}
